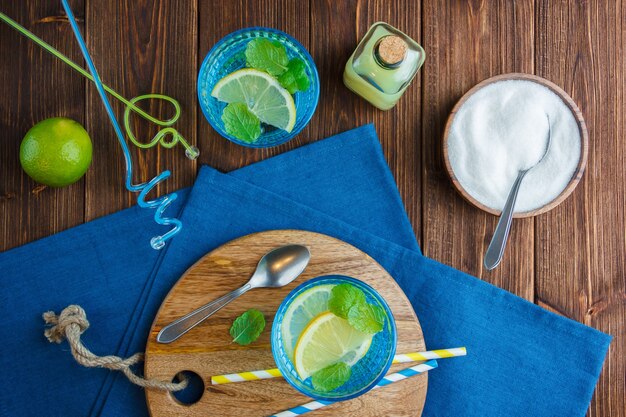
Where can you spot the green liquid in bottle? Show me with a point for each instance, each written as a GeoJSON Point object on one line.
{"type": "Point", "coordinates": [383, 65]}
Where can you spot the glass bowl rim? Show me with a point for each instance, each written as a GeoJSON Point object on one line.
{"type": "Point", "coordinates": [314, 83]}
{"type": "Point", "coordinates": [276, 333]}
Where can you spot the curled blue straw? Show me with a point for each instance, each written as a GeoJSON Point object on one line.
{"type": "Point", "coordinates": [161, 203]}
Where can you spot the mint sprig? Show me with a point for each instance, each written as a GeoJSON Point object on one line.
{"type": "Point", "coordinates": [343, 297]}
{"type": "Point", "coordinates": [247, 327]}
{"type": "Point", "coordinates": [331, 377]}
{"type": "Point", "coordinates": [267, 56]}
{"type": "Point", "coordinates": [366, 318]}
{"type": "Point", "coordinates": [241, 123]}
{"type": "Point", "coordinates": [295, 78]}
{"type": "Point", "coordinates": [271, 57]}
{"type": "Point", "coordinates": [349, 302]}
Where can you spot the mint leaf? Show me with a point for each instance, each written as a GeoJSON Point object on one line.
{"type": "Point", "coordinates": [366, 318]}
{"type": "Point", "coordinates": [343, 297]}
{"type": "Point", "coordinates": [240, 122]}
{"type": "Point", "coordinates": [331, 377]}
{"type": "Point", "coordinates": [247, 327]}
{"type": "Point", "coordinates": [295, 78]}
{"type": "Point", "coordinates": [267, 56]}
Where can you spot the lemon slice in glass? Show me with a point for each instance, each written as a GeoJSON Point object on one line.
{"type": "Point", "coordinates": [263, 95]}
{"type": "Point", "coordinates": [329, 339]}
{"type": "Point", "coordinates": [301, 311]}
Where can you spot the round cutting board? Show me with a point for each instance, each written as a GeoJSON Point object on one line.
{"type": "Point", "coordinates": [208, 349]}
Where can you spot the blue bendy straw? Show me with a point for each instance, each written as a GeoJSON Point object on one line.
{"type": "Point", "coordinates": [161, 203]}
{"type": "Point", "coordinates": [389, 379]}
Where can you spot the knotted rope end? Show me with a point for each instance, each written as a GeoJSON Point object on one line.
{"type": "Point", "coordinates": [72, 322]}
{"type": "Point", "coordinates": [72, 315]}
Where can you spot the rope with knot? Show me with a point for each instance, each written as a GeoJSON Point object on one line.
{"type": "Point", "coordinates": [70, 325]}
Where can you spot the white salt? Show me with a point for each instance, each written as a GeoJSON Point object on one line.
{"type": "Point", "coordinates": [502, 129]}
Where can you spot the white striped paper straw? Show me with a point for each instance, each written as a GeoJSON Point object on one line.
{"type": "Point", "coordinates": [389, 379]}
{"type": "Point", "coordinates": [275, 373]}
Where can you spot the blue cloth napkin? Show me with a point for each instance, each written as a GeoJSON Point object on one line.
{"type": "Point", "coordinates": [522, 359]}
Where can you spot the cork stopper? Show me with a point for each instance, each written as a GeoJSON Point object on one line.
{"type": "Point", "coordinates": [391, 50]}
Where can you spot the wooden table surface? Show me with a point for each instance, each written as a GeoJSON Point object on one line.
{"type": "Point", "coordinates": [570, 260]}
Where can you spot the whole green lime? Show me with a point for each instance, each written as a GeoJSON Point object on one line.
{"type": "Point", "coordinates": [56, 152]}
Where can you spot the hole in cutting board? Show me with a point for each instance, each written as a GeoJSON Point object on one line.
{"type": "Point", "coordinates": [194, 390]}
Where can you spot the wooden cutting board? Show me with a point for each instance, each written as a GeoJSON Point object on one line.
{"type": "Point", "coordinates": [207, 349]}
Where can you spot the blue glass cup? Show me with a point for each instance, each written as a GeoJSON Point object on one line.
{"type": "Point", "coordinates": [366, 373]}
{"type": "Point", "coordinates": [227, 56]}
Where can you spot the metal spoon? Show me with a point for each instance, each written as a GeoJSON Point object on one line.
{"type": "Point", "coordinates": [494, 253]}
{"type": "Point", "coordinates": [276, 269]}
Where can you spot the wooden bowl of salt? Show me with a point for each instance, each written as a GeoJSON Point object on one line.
{"type": "Point", "coordinates": [499, 127]}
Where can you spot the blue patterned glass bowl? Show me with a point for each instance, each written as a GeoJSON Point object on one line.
{"type": "Point", "coordinates": [227, 56]}
{"type": "Point", "coordinates": [366, 373]}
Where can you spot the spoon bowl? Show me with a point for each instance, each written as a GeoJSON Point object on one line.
{"type": "Point", "coordinates": [280, 266]}
{"type": "Point", "coordinates": [546, 150]}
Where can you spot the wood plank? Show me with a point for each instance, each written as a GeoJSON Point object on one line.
{"type": "Point", "coordinates": [208, 350]}
{"type": "Point", "coordinates": [581, 245]}
{"type": "Point", "coordinates": [340, 109]}
{"type": "Point", "coordinates": [465, 43]}
{"type": "Point", "coordinates": [140, 47]}
{"type": "Point", "coordinates": [291, 17]}
{"type": "Point", "coordinates": [36, 86]}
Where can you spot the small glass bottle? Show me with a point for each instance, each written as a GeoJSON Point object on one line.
{"type": "Point", "coordinates": [383, 65]}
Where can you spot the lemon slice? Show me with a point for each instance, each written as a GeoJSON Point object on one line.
{"type": "Point", "coordinates": [329, 339]}
{"type": "Point", "coordinates": [263, 95]}
{"type": "Point", "coordinates": [301, 311]}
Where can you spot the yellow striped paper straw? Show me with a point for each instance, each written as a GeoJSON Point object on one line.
{"type": "Point", "coordinates": [402, 358]}
{"type": "Point", "coordinates": [430, 354]}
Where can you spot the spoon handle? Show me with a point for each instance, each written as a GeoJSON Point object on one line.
{"type": "Point", "coordinates": [177, 328]}
{"type": "Point", "coordinates": [501, 234]}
